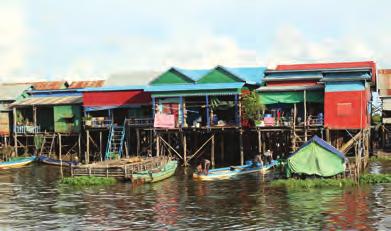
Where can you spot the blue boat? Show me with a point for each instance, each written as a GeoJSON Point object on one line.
{"type": "Point", "coordinates": [47, 160]}
{"type": "Point", "coordinates": [17, 162]}
{"type": "Point", "coordinates": [228, 172]}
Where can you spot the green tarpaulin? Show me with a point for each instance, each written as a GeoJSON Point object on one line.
{"type": "Point", "coordinates": [290, 97]}
{"type": "Point", "coordinates": [316, 158]}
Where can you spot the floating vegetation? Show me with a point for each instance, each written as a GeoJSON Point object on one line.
{"type": "Point", "coordinates": [312, 183]}
{"type": "Point", "coordinates": [88, 181]}
{"type": "Point", "coordinates": [379, 158]}
{"type": "Point", "coordinates": [321, 183]}
{"type": "Point", "coordinates": [375, 178]}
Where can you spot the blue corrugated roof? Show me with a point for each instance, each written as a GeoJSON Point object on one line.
{"type": "Point", "coordinates": [123, 88]}
{"type": "Point", "coordinates": [348, 75]}
{"type": "Point", "coordinates": [293, 75]}
{"type": "Point", "coordinates": [321, 143]}
{"type": "Point", "coordinates": [195, 75]}
{"type": "Point", "coordinates": [344, 86]}
{"type": "Point", "coordinates": [251, 75]}
{"type": "Point", "coordinates": [193, 87]}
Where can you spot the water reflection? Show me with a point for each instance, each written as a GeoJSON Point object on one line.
{"type": "Point", "coordinates": [31, 199]}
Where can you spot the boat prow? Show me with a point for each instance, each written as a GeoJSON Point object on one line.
{"type": "Point", "coordinates": [50, 161]}
{"type": "Point", "coordinates": [229, 172]}
{"type": "Point", "coordinates": [154, 175]}
{"type": "Point", "coordinates": [17, 162]}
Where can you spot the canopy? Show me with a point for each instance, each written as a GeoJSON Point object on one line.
{"type": "Point", "coordinates": [290, 97]}
{"type": "Point", "coordinates": [316, 157]}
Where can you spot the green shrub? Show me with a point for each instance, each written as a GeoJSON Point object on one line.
{"type": "Point", "coordinates": [87, 181]}
{"type": "Point", "coordinates": [375, 178]}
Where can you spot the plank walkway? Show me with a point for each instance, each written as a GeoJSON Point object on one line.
{"type": "Point", "coordinates": [123, 168]}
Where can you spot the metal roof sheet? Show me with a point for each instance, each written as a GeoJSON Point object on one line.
{"type": "Point", "coordinates": [50, 85]}
{"type": "Point", "coordinates": [290, 88]}
{"type": "Point", "coordinates": [63, 100]}
{"type": "Point", "coordinates": [194, 74]}
{"type": "Point", "coordinates": [86, 84]}
{"type": "Point", "coordinates": [123, 88]}
{"type": "Point", "coordinates": [193, 87]}
{"type": "Point", "coordinates": [282, 76]}
{"type": "Point", "coordinates": [250, 75]}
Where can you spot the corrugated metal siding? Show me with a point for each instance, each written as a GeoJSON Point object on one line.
{"type": "Point", "coordinates": [4, 123]}
{"type": "Point", "coordinates": [85, 84]}
{"type": "Point", "coordinates": [346, 109]}
{"type": "Point", "coordinates": [115, 98]}
{"type": "Point", "coordinates": [67, 119]}
{"type": "Point", "coordinates": [49, 101]}
{"type": "Point", "coordinates": [219, 75]}
{"type": "Point", "coordinates": [344, 86]}
{"type": "Point", "coordinates": [171, 77]}
{"type": "Point", "coordinates": [52, 85]}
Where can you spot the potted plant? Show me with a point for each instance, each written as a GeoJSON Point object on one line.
{"type": "Point", "coordinates": [252, 108]}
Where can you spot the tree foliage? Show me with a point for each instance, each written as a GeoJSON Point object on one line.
{"type": "Point", "coordinates": [252, 106]}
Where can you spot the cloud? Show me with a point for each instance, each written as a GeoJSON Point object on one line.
{"type": "Point", "coordinates": [13, 41]}
{"type": "Point", "coordinates": [292, 46]}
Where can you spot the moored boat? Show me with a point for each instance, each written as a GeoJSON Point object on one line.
{"type": "Point", "coordinates": [228, 172]}
{"type": "Point", "coordinates": [17, 162]}
{"type": "Point", "coordinates": [154, 175]}
{"type": "Point", "coordinates": [47, 160]}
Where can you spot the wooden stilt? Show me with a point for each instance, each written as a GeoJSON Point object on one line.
{"type": "Point", "coordinates": [259, 142]}
{"type": "Point", "coordinates": [241, 147]}
{"type": "Point", "coordinates": [138, 141]}
{"type": "Point", "coordinates": [212, 150]}
{"type": "Point", "coordinates": [79, 147]}
{"type": "Point", "coordinates": [222, 147]}
{"type": "Point", "coordinates": [328, 137]}
{"type": "Point", "coordinates": [101, 145]}
{"type": "Point", "coordinates": [60, 154]}
{"type": "Point", "coordinates": [15, 131]}
{"type": "Point", "coordinates": [87, 154]}
{"type": "Point", "coordinates": [185, 150]}
{"type": "Point", "coordinates": [157, 145]}
{"type": "Point", "coordinates": [305, 116]}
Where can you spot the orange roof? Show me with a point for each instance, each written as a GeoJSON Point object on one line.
{"type": "Point", "coordinates": [50, 85]}
{"type": "Point", "coordinates": [86, 84]}
{"type": "Point", "coordinates": [315, 66]}
{"type": "Point", "coordinates": [384, 71]}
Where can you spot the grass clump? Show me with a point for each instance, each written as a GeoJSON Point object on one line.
{"type": "Point", "coordinates": [312, 183]}
{"type": "Point", "coordinates": [379, 158]}
{"type": "Point", "coordinates": [375, 178]}
{"type": "Point", "coordinates": [322, 183]}
{"type": "Point", "coordinates": [87, 181]}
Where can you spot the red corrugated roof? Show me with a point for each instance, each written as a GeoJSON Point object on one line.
{"type": "Point", "coordinates": [317, 66]}
{"type": "Point", "coordinates": [51, 85]}
{"type": "Point", "coordinates": [86, 84]}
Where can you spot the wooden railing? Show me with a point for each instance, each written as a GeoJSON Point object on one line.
{"type": "Point", "coordinates": [27, 129]}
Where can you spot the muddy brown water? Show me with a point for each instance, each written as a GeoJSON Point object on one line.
{"type": "Point", "coordinates": [31, 199]}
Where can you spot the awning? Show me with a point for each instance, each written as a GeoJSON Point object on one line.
{"type": "Point", "coordinates": [46, 101]}
{"type": "Point", "coordinates": [291, 97]}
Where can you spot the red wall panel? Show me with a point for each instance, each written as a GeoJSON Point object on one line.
{"type": "Point", "coordinates": [115, 98]}
{"type": "Point", "coordinates": [346, 110]}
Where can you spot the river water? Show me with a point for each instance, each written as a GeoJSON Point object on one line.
{"type": "Point", "coordinates": [30, 199]}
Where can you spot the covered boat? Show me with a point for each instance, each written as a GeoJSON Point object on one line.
{"type": "Point", "coordinates": [154, 175]}
{"type": "Point", "coordinates": [228, 172]}
{"type": "Point", "coordinates": [47, 160]}
{"type": "Point", "coordinates": [17, 162]}
{"type": "Point", "coordinates": [316, 157]}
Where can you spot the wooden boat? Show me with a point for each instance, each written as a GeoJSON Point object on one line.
{"type": "Point", "coordinates": [154, 175]}
{"type": "Point", "coordinates": [17, 162]}
{"type": "Point", "coordinates": [47, 160]}
{"type": "Point", "coordinates": [228, 172]}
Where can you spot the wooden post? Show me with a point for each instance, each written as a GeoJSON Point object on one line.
{"type": "Point", "coordinates": [207, 112]}
{"type": "Point", "coordinates": [79, 144]}
{"type": "Point", "coordinates": [241, 147]}
{"type": "Point", "coordinates": [212, 150]}
{"type": "Point", "coordinates": [305, 115]}
{"type": "Point", "coordinates": [185, 149]}
{"type": "Point", "coordinates": [101, 145]}
{"type": "Point", "coordinates": [15, 132]}
{"type": "Point", "coordinates": [157, 145]}
{"type": "Point", "coordinates": [87, 154]}
{"type": "Point", "coordinates": [60, 154]}
{"type": "Point", "coordinates": [328, 137]}
{"type": "Point", "coordinates": [294, 129]}
{"type": "Point", "coordinates": [169, 141]}
{"type": "Point", "coordinates": [138, 141]}
{"type": "Point", "coordinates": [222, 146]}
{"type": "Point", "coordinates": [259, 142]}
{"type": "Point", "coordinates": [35, 117]}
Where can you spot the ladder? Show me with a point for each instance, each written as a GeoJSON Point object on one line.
{"type": "Point", "coordinates": [115, 141]}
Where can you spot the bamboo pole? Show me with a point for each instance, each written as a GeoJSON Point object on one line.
{"type": "Point", "coordinates": [185, 150]}
{"type": "Point", "coordinates": [101, 145]}
{"type": "Point", "coordinates": [241, 147]}
{"type": "Point", "coordinates": [60, 154]}
{"type": "Point", "coordinates": [222, 146]}
{"type": "Point", "coordinates": [212, 151]}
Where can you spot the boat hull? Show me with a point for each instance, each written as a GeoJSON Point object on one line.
{"type": "Point", "coordinates": [229, 172]}
{"type": "Point", "coordinates": [165, 172]}
{"type": "Point", "coordinates": [21, 162]}
{"type": "Point", "coordinates": [51, 161]}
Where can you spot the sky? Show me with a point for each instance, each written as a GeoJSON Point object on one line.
{"type": "Point", "coordinates": [91, 39]}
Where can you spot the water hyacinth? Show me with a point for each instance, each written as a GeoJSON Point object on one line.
{"type": "Point", "coordinates": [88, 181]}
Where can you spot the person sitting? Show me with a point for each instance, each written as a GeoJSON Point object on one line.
{"type": "Point", "coordinates": [257, 162]}
{"type": "Point", "coordinates": [199, 168]}
{"type": "Point", "coordinates": [268, 156]}
{"type": "Point", "coordinates": [206, 166]}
